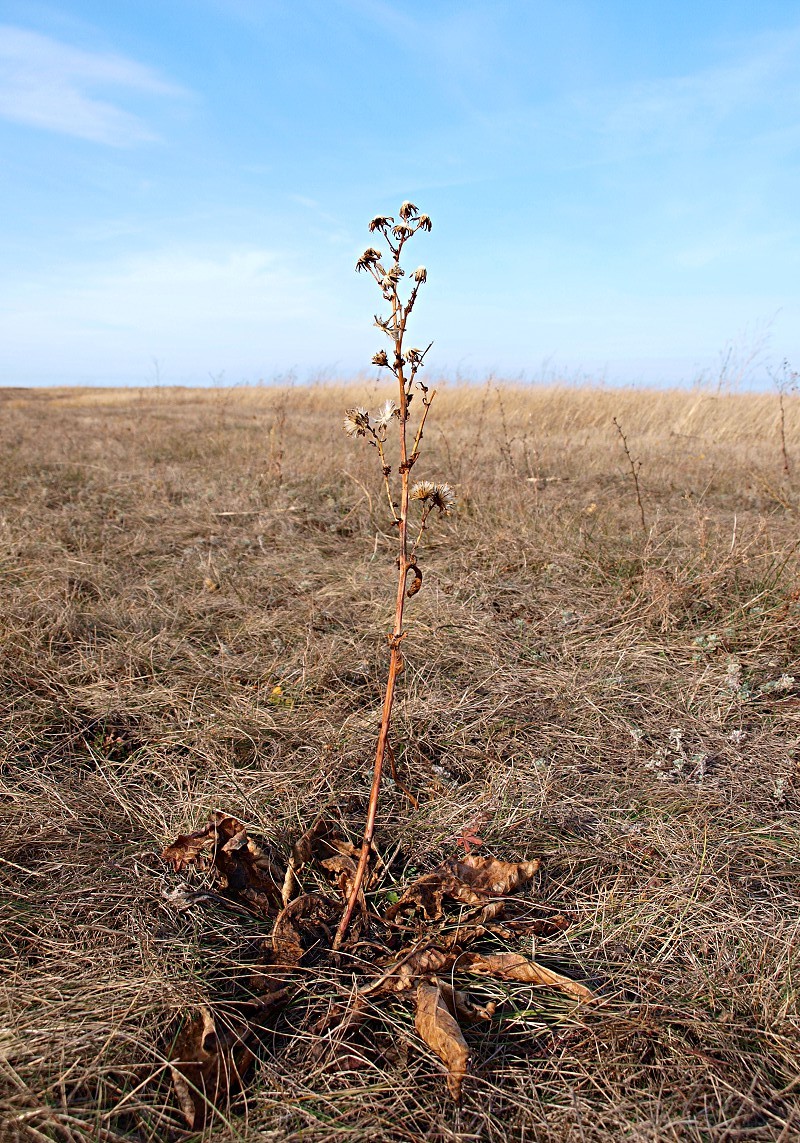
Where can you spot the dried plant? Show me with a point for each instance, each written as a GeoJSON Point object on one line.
{"type": "Point", "coordinates": [404, 364]}
{"type": "Point", "coordinates": [635, 466]}
{"type": "Point", "coordinates": [787, 384]}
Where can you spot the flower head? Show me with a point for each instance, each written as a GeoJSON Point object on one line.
{"type": "Point", "coordinates": [369, 258]}
{"type": "Point", "coordinates": [424, 223]}
{"type": "Point", "coordinates": [413, 356]}
{"type": "Point", "coordinates": [387, 410]}
{"type": "Point", "coordinates": [380, 358]}
{"type": "Point", "coordinates": [356, 422]}
{"type": "Point", "coordinates": [379, 221]}
{"type": "Point", "coordinates": [402, 231]}
{"type": "Point", "coordinates": [420, 274]}
{"type": "Point", "coordinates": [422, 490]}
{"type": "Point", "coordinates": [443, 498]}
{"type": "Point", "coordinates": [407, 211]}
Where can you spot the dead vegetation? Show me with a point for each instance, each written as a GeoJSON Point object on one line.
{"type": "Point", "coordinates": [194, 614]}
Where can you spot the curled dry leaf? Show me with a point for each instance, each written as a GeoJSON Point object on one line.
{"type": "Point", "coordinates": [321, 841]}
{"type": "Point", "coordinates": [463, 1008]}
{"type": "Point", "coordinates": [208, 1064]}
{"type": "Point", "coordinates": [304, 924]}
{"type": "Point", "coordinates": [405, 972]}
{"type": "Point", "coordinates": [437, 1026]}
{"type": "Point", "coordinates": [245, 869]}
{"type": "Point", "coordinates": [344, 869]}
{"type": "Point", "coordinates": [512, 966]}
{"type": "Point", "coordinates": [472, 880]}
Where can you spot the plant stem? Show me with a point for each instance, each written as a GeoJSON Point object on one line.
{"type": "Point", "coordinates": [395, 662]}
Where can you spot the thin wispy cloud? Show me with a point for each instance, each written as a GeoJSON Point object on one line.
{"type": "Point", "coordinates": [50, 85]}
{"type": "Point", "coordinates": [690, 110]}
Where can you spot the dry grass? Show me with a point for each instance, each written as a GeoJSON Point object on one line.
{"type": "Point", "coordinates": [618, 705]}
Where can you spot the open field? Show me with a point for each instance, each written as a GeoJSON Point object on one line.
{"type": "Point", "coordinates": [625, 704]}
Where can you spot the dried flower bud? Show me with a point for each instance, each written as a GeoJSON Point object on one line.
{"type": "Point", "coordinates": [424, 223]}
{"type": "Point", "coordinates": [407, 211]}
{"type": "Point", "coordinates": [413, 356]}
{"type": "Point", "coordinates": [420, 274]}
{"type": "Point", "coordinates": [402, 231]}
{"type": "Point", "coordinates": [356, 422]}
{"type": "Point", "coordinates": [385, 413]}
{"type": "Point", "coordinates": [379, 221]}
{"type": "Point", "coordinates": [368, 258]}
{"type": "Point", "coordinates": [395, 271]}
{"type": "Point", "coordinates": [380, 358]}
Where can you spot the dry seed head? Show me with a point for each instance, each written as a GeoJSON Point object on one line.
{"type": "Point", "coordinates": [407, 211]}
{"type": "Point", "coordinates": [443, 497]}
{"type": "Point", "coordinates": [422, 490]}
{"type": "Point", "coordinates": [413, 356]}
{"type": "Point", "coordinates": [420, 274]}
{"type": "Point", "coordinates": [402, 231]}
{"type": "Point", "coordinates": [424, 223]}
{"type": "Point", "coordinates": [388, 410]}
{"type": "Point", "coordinates": [356, 422]}
{"type": "Point", "coordinates": [380, 358]}
{"type": "Point", "coordinates": [369, 258]}
{"type": "Point", "coordinates": [379, 221]}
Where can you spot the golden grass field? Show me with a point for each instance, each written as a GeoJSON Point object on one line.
{"type": "Point", "coordinates": [624, 704]}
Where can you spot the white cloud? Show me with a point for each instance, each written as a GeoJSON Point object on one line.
{"type": "Point", "coordinates": [50, 85]}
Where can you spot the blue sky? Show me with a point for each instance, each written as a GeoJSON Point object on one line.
{"type": "Point", "coordinates": [185, 186]}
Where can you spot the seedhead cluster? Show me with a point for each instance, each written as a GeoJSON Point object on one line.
{"type": "Point", "coordinates": [404, 364]}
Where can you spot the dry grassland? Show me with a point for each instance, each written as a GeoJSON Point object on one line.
{"type": "Point", "coordinates": [625, 706]}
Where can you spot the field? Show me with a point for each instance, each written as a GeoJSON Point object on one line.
{"type": "Point", "coordinates": [196, 587]}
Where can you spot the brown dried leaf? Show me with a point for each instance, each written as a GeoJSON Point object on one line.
{"type": "Point", "coordinates": [493, 877]}
{"type": "Point", "coordinates": [402, 976]}
{"type": "Point", "coordinates": [472, 880]}
{"type": "Point", "coordinates": [439, 1029]}
{"type": "Point", "coordinates": [512, 966]}
{"type": "Point", "coordinates": [189, 848]}
{"type": "Point", "coordinates": [321, 840]}
{"type": "Point", "coordinates": [304, 923]}
{"type": "Point", "coordinates": [344, 867]}
{"type": "Point", "coordinates": [246, 870]}
{"type": "Point", "coordinates": [463, 1008]}
{"type": "Point", "coordinates": [208, 1065]}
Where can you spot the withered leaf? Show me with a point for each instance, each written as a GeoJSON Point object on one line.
{"type": "Point", "coordinates": [513, 966]}
{"type": "Point", "coordinates": [246, 870]}
{"type": "Point", "coordinates": [208, 1064]}
{"type": "Point", "coordinates": [472, 880]}
{"type": "Point", "coordinates": [402, 976]}
{"type": "Point", "coordinates": [437, 1026]}
{"type": "Point", "coordinates": [322, 841]}
{"type": "Point", "coordinates": [305, 923]}
{"type": "Point", "coordinates": [463, 1007]}
{"type": "Point", "coordinates": [189, 848]}
{"type": "Point", "coordinates": [344, 868]}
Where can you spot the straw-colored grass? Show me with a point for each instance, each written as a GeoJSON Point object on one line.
{"type": "Point", "coordinates": [625, 705]}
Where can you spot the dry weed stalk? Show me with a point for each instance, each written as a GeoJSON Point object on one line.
{"type": "Point", "coordinates": [635, 466]}
{"type": "Point", "coordinates": [787, 384]}
{"type": "Point", "coordinates": [404, 364]}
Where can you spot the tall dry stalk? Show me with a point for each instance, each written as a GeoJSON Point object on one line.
{"type": "Point", "coordinates": [405, 365]}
